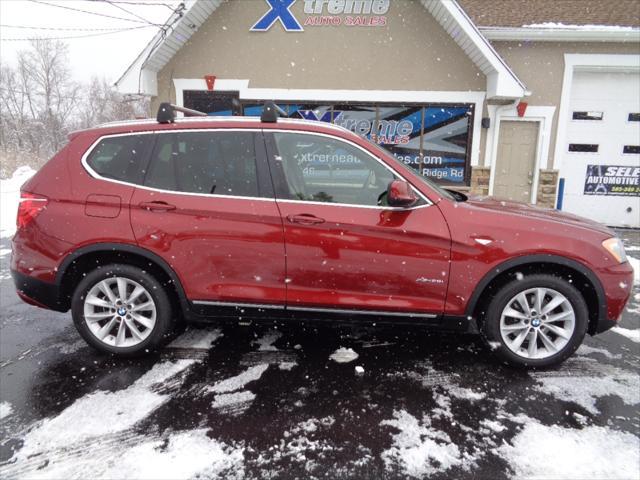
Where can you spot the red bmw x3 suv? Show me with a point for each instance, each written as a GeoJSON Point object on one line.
{"type": "Point", "coordinates": [134, 226]}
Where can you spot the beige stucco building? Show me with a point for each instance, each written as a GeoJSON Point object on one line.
{"type": "Point", "coordinates": [530, 101]}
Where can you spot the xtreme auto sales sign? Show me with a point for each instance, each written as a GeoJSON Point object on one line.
{"type": "Point", "coordinates": [319, 13]}
{"type": "Point", "coordinates": [621, 180]}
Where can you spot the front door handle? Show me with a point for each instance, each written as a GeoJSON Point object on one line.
{"type": "Point", "coordinates": [305, 219]}
{"type": "Point", "coordinates": [157, 206]}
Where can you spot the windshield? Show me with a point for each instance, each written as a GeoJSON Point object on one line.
{"type": "Point", "coordinates": [427, 181]}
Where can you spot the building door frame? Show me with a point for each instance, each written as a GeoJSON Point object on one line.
{"type": "Point", "coordinates": [543, 115]}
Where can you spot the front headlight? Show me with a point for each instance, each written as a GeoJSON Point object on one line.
{"type": "Point", "coordinates": [616, 248]}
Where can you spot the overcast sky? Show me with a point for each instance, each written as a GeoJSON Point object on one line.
{"type": "Point", "coordinates": [105, 55]}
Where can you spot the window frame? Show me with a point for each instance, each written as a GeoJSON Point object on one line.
{"type": "Point", "coordinates": [584, 152]}
{"type": "Point", "coordinates": [144, 158]}
{"type": "Point", "coordinates": [586, 117]}
{"type": "Point", "coordinates": [282, 189]}
{"type": "Point", "coordinates": [258, 148]}
{"type": "Point", "coordinates": [630, 147]}
{"type": "Point", "coordinates": [265, 185]}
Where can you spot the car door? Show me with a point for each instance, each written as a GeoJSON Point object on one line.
{"type": "Point", "coordinates": [207, 207]}
{"type": "Point", "coordinates": [345, 248]}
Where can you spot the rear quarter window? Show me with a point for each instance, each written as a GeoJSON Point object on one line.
{"type": "Point", "coordinates": [120, 158]}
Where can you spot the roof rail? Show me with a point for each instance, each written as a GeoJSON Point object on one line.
{"type": "Point", "coordinates": [271, 112]}
{"type": "Point", "coordinates": [167, 113]}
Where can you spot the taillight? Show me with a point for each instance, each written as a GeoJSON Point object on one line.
{"type": "Point", "coordinates": [29, 208]}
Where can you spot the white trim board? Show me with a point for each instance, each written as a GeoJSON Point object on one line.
{"type": "Point", "coordinates": [368, 96]}
{"type": "Point", "coordinates": [501, 81]}
{"type": "Point", "coordinates": [541, 114]}
{"type": "Point", "coordinates": [563, 34]}
{"type": "Point", "coordinates": [585, 62]}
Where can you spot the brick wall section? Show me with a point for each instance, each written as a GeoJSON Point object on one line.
{"type": "Point", "coordinates": [480, 180]}
{"type": "Point", "coordinates": [547, 186]}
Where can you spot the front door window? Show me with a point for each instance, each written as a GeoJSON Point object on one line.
{"type": "Point", "coordinates": [323, 169]}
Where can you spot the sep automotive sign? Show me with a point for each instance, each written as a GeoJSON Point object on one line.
{"type": "Point", "coordinates": [317, 13]}
{"type": "Point", "coordinates": [621, 180]}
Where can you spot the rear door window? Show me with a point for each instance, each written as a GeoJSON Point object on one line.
{"type": "Point", "coordinates": [215, 163]}
{"type": "Point", "coordinates": [120, 157]}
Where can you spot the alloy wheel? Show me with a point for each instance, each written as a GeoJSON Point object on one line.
{"type": "Point", "coordinates": [537, 323]}
{"type": "Point", "coordinates": [119, 312]}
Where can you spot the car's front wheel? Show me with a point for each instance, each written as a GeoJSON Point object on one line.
{"type": "Point", "coordinates": [121, 309]}
{"type": "Point", "coordinates": [536, 321]}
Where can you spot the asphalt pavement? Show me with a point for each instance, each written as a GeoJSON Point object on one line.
{"type": "Point", "coordinates": [311, 401]}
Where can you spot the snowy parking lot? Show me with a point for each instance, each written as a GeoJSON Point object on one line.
{"type": "Point", "coordinates": [309, 401]}
{"type": "Point", "coordinates": [305, 401]}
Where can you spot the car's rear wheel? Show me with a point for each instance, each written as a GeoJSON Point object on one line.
{"type": "Point", "coordinates": [121, 309]}
{"type": "Point", "coordinates": [538, 321]}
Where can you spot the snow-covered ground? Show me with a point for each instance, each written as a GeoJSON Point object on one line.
{"type": "Point", "coordinates": [9, 198]}
{"type": "Point", "coordinates": [438, 408]}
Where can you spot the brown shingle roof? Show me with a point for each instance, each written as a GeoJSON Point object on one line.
{"type": "Point", "coordinates": [517, 13]}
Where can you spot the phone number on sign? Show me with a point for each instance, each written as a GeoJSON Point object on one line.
{"type": "Point", "coordinates": [630, 190]}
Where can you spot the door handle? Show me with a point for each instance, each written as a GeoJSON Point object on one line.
{"type": "Point", "coordinates": [157, 206]}
{"type": "Point", "coordinates": [305, 219]}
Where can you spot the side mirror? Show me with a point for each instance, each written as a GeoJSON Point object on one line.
{"type": "Point", "coordinates": [400, 194]}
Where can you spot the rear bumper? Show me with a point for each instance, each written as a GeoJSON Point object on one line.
{"type": "Point", "coordinates": [37, 292]}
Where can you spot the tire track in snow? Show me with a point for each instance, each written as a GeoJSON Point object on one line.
{"type": "Point", "coordinates": [101, 448]}
{"type": "Point", "coordinates": [105, 422]}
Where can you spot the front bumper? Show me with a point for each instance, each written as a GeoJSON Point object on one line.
{"type": "Point", "coordinates": [603, 325]}
{"type": "Point", "coordinates": [618, 284]}
{"type": "Point", "coordinates": [37, 292]}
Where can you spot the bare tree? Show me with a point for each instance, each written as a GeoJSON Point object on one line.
{"type": "Point", "coordinates": [37, 100]}
{"type": "Point", "coordinates": [55, 96]}
{"type": "Point", "coordinates": [101, 103]}
{"type": "Point", "coordinates": [40, 104]}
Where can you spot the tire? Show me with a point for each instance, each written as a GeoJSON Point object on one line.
{"type": "Point", "coordinates": [546, 337]}
{"type": "Point", "coordinates": [146, 318]}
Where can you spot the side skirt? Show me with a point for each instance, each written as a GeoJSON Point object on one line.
{"type": "Point", "coordinates": [206, 311]}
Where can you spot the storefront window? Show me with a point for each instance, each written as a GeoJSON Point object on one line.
{"type": "Point", "coordinates": [222, 104]}
{"type": "Point", "coordinates": [446, 144]}
{"type": "Point", "coordinates": [434, 140]}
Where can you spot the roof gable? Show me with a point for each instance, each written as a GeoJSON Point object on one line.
{"type": "Point", "coordinates": [141, 76]}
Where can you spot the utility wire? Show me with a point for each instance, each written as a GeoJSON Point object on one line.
{"type": "Point", "coordinates": [127, 11]}
{"type": "Point", "coordinates": [33, 27]}
{"type": "Point", "coordinates": [179, 12]}
{"type": "Point", "coordinates": [87, 11]}
{"type": "Point", "coordinates": [73, 36]}
{"type": "Point", "coordinates": [154, 4]}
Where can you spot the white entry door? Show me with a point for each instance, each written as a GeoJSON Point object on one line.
{"type": "Point", "coordinates": [516, 160]}
{"type": "Point", "coordinates": [601, 160]}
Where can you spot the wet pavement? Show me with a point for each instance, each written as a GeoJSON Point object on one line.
{"type": "Point", "coordinates": [294, 401]}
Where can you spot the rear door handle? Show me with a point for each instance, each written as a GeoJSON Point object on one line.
{"type": "Point", "coordinates": [305, 219]}
{"type": "Point", "coordinates": [157, 206]}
